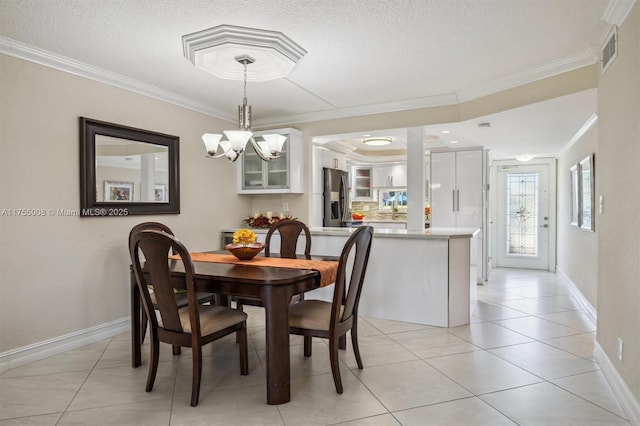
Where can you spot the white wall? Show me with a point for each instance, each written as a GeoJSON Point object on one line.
{"type": "Point", "coordinates": [61, 275]}
{"type": "Point", "coordinates": [577, 248]}
{"type": "Point", "coordinates": [618, 182]}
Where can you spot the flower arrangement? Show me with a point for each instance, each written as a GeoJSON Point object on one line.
{"type": "Point", "coordinates": [244, 237]}
{"type": "Point", "coordinates": [261, 221]}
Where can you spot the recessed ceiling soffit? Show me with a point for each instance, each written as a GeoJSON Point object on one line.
{"type": "Point", "coordinates": [214, 50]}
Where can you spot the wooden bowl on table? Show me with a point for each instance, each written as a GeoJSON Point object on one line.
{"type": "Point", "coordinates": [244, 251]}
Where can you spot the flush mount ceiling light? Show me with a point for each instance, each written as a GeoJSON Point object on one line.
{"type": "Point", "coordinates": [524, 158]}
{"type": "Point", "coordinates": [219, 50]}
{"type": "Point", "coordinates": [377, 141]}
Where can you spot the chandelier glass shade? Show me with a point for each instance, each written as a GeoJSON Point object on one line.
{"type": "Point", "coordinates": [236, 141]}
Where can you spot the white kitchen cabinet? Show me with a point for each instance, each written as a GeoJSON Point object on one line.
{"type": "Point", "coordinates": [390, 176]}
{"type": "Point", "coordinates": [281, 175]}
{"type": "Point", "coordinates": [361, 186]}
{"type": "Point", "coordinates": [457, 189]}
{"type": "Point", "coordinates": [457, 194]}
{"type": "Point", "coordinates": [334, 160]}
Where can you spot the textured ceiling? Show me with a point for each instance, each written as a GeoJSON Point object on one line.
{"type": "Point", "coordinates": [364, 56]}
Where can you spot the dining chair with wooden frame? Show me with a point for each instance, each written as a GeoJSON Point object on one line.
{"type": "Point", "coordinates": [290, 231]}
{"type": "Point", "coordinates": [192, 326]}
{"type": "Point", "coordinates": [181, 296]}
{"type": "Point", "coordinates": [332, 320]}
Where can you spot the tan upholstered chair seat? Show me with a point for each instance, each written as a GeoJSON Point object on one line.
{"type": "Point", "coordinates": [212, 318]}
{"type": "Point", "coordinates": [311, 314]}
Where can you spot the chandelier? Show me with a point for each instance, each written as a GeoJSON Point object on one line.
{"type": "Point", "coordinates": [267, 149]}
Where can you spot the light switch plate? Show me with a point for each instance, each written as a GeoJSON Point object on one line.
{"type": "Point", "coordinates": [601, 204]}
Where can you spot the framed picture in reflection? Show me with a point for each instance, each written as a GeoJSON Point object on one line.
{"type": "Point", "coordinates": [118, 191]}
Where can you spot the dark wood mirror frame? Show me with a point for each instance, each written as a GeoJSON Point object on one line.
{"type": "Point", "coordinates": [89, 204]}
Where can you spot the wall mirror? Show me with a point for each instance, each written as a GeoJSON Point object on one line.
{"type": "Point", "coordinates": [587, 192]}
{"type": "Point", "coordinates": [575, 197]}
{"type": "Point", "coordinates": [583, 190]}
{"type": "Point", "coordinates": [127, 171]}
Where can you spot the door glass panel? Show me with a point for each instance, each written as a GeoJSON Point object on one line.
{"type": "Point", "coordinates": [522, 214]}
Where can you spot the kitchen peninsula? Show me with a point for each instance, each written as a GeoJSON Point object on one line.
{"type": "Point", "coordinates": [425, 277]}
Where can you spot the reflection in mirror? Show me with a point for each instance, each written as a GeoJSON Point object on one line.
{"type": "Point", "coordinates": [587, 193]}
{"type": "Point", "coordinates": [131, 170]}
{"type": "Point", "coordinates": [575, 203]}
{"type": "Point", "coordinates": [127, 171]}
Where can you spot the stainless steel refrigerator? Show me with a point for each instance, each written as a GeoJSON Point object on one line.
{"type": "Point", "coordinates": [336, 198]}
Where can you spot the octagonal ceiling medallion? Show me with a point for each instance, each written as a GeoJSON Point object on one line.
{"type": "Point", "coordinates": [215, 49]}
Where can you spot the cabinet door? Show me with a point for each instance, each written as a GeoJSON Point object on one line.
{"type": "Point", "coordinates": [399, 175]}
{"type": "Point", "coordinates": [334, 160]}
{"type": "Point", "coordinates": [280, 175]}
{"type": "Point", "coordinates": [277, 170]}
{"type": "Point", "coordinates": [443, 178]}
{"type": "Point", "coordinates": [380, 177]}
{"type": "Point", "coordinates": [469, 187]}
{"type": "Point", "coordinates": [252, 176]}
{"type": "Point", "coordinates": [259, 174]}
{"type": "Point", "coordinates": [362, 183]}
{"type": "Point", "coordinates": [394, 176]}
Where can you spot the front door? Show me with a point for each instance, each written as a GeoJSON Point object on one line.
{"type": "Point", "coordinates": [523, 216]}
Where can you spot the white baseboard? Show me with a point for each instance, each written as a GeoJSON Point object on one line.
{"type": "Point", "coordinates": [586, 306]}
{"type": "Point", "coordinates": [57, 345]}
{"type": "Point", "coordinates": [623, 394]}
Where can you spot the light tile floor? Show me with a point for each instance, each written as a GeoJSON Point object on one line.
{"type": "Point", "coordinates": [525, 359]}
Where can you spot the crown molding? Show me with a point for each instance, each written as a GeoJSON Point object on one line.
{"type": "Point", "coordinates": [580, 133]}
{"type": "Point", "coordinates": [617, 11]}
{"type": "Point", "coordinates": [29, 53]}
{"type": "Point", "coordinates": [32, 54]}
{"type": "Point", "coordinates": [581, 59]}
{"type": "Point", "coordinates": [569, 63]}
{"type": "Point", "coordinates": [360, 110]}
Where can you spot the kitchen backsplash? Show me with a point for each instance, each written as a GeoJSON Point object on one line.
{"type": "Point", "coordinates": [374, 212]}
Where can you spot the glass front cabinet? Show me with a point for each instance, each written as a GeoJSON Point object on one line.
{"type": "Point", "coordinates": [362, 184]}
{"type": "Point", "coordinates": [280, 175]}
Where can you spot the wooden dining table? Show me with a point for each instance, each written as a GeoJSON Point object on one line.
{"type": "Point", "coordinates": [273, 285]}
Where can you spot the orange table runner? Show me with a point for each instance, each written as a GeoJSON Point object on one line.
{"type": "Point", "coordinates": [327, 269]}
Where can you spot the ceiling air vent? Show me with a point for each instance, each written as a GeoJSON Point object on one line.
{"type": "Point", "coordinates": [610, 49]}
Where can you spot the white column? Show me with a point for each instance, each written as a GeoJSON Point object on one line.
{"type": "Point", "coordinates": [416, 181]}
{"type": "Point", "coordinates": [147, 177]}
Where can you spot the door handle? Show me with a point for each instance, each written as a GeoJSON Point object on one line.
{"type": "Point", "coordinates": [453, 199]}
{"type": "Point", "coordinates": [544, 226]}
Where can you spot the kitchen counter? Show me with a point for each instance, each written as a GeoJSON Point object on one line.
{"type": "Point", "coordinates": [425, 277]}
{"type": "Point", "coordinates": [431, 233]}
